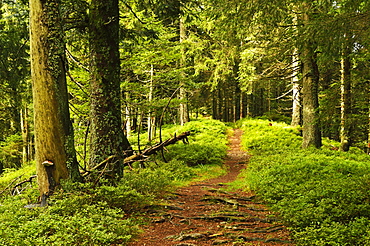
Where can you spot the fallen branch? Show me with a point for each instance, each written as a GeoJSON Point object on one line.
{"type": "Point", "coordinates": [159, 146]}
{"type": "Point", "coordinates": [14, 180]}
{"type": "Point", "coordinates": [15, 188]}
{"type": "Point", "coordinates": [99, 165]}
{"type": "Point", "coordinates": [144, 154]}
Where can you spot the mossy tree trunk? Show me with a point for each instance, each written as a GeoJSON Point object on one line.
{"type": "Point", "coordinates": [107, 136]}
{"type": "Point", "coordinates": [311, 122]}
{"type": "Point", "coordinates": [54, 142]}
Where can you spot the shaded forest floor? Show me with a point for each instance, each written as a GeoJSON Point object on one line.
{"type": "Point", "coordinates": [205, 214]}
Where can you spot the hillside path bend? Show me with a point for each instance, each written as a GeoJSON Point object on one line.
{"type": "Point", "coordinates": [205, 214]}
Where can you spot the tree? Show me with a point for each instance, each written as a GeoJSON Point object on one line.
{"type": "Point", "coordinates": [296, 109]}
{"type": "Point", "coordinates": [183, 107]}
{"type": "Point", "coordinates": [54, 142]}
{"type": "Point", "coordinates": [310, 74]}
{"type": "Point", "coordinates": [345, 101]}
{"type": "Point", "coordinates": [14, 76]}
{"type": "Point", "coordinates": [107, 138]}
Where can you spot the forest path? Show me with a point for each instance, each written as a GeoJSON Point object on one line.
{"type": "Point", "coordinates": [205, 214]}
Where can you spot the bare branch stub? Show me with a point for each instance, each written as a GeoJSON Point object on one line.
{"type": "Point", "coordinates": [15, 190]}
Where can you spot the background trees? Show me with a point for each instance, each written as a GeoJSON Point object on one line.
{"type": "Point", "coordinates": [231, 59]}
{"type": "Point", "coordinates": [14, 85]}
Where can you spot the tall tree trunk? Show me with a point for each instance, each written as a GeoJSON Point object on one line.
{"type": "Point", "coordinates": [241, 103]}
{"type": "Point", "coordinates": [151, 118]}
{"type": "Point", "coordinates": [368, 117]}
{"type": "Point", "coordinates": [214, 105]}
{"type": "Point", "coordinates": [15, 107]}
{"type": "Point", "coordinates": [25, 129]}
{"type": "Point", "coordinates": [296, 97]}
{"type": "Point", "coordinates": [183, 110]}
{"type": "Point", "coordinates": [311, 122]}
{"type": "Point", "coordinates": [237, 104]}
{"type": "Point", "coordinates": [248, 103]}
{"type": "Point", "coordinates": [54, 141]}
{"type": "Point", "coordinates": [107, 136]}
{"type": "Point", "coordinates": [296, 111]}
{"type": "Point", "coordinates": [126, 117]}
{"type": "Point", "coordinates": [345, 104]}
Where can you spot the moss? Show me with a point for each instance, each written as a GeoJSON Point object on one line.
{"type": "Point", "coordinates": [54, 38]}
{"type": "Point", "coordinates": [106, 127]}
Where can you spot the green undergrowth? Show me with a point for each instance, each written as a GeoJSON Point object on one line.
{"type": "Point", "coordinates": [207, 142]}
{"type": "Point", "coordinates": [105, 214]}
{"type": "Point", "coordinates": [323, 195]}
{"type": "Point", "coordinates": [12, 176]}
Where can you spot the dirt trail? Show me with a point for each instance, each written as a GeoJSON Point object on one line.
{"type": "Point", "coordinates": [204, 214]}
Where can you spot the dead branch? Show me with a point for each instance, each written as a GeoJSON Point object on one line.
{"type": "Point", "coordinates": [144, 154]}
{"type": "Point", "coordinates": [11, 183]}
{"type": "Point", "coordinates": [99, 165]}
{"type": "Point", "coordinates": [15, 188]}
{"type": "Point", "coordinates": [152, 150]}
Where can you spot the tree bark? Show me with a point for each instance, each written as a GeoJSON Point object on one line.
{"type": "Point", "coordinates": [107, 136]}
{"type": "Point", "coordinates": [345, 104]}
{"type": "Point", "coordinates": [25, 129]}
{"type": "Point", "coordinates": [368, 126]}
{"type": "Point", "coordinates": [296, 111]}
{"type": "Point", "coordinates": [151, 117]}
{"type": "Point", "coordinates": [126, 117]}
{"type": "Point", "coordinates": [183, 110]}
{"type": "Point", "coordinates": [54, 141]}
{"type": "Point", "coordinates": [311, 122]}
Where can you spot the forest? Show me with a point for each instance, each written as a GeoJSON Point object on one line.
{"type": "Point", "coordinates": [111, 104]}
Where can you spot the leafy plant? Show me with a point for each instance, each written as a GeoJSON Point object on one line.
{"type": "Point", "coordinates": [207, 143]}
{"type": "Point", "coordinates": [87, 214]}
{"type": "Point", "coordinates": [64, 223]}
{"type": "Point", "coordinates": [13, 175]}
{"type": "Point", "coordinates": [322, 194]}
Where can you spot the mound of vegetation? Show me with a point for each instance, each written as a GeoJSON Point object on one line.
{"type": "Point", "coordinates": [103, 214]}
{"type": "Point", "coordinates": [323, 195]}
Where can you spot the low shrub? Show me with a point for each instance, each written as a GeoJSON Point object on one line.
{"type": "Point", "coordinates": [356, 232]}
{"type": "Point", "coordinates": [207, 143]}
{"type": "Point", "coordinates": [64, 223]}
{"type": "Point", "coordinates": [196, 154]}
{"type": "Point", "coordinates": [322, 194]}
{"type": "Point", "coordinates": [13, 175]}
{"type": "Point", "coordinates": [269, 136]}
{"type": "Point", "coordinates": [91, 214]}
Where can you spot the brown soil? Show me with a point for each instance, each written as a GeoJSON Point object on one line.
{"type": "Point", "coordinates": [205, 214]}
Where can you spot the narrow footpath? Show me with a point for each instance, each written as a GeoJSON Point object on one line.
{"type": "Point", "coordinates": [205, 214]}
